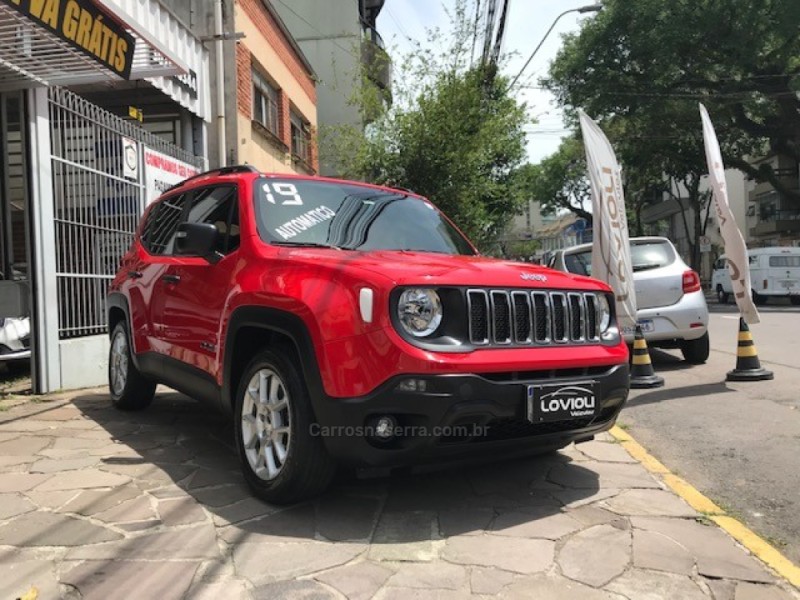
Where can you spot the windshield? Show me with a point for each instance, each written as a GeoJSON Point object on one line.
{"type": "Point", "coordinates": [351, 217]}
{"type": "Point", "coordinates": [651, 255]}
{"type": "Point", "coordinates": [644, 256]}
{"type": "Point", "coordinates": [579, 263]}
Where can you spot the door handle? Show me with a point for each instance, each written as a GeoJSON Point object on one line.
{"type": "Point", "coordinates": [134, 274]}
{"type": "Point", "coordinates": [171, 278]}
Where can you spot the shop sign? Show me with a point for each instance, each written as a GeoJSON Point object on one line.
{"type": "Point", "coordinates": [162, 171]}
{"type": "Point", "coordinates": [84, 26]}
{"type": "Point", "coordinates": [130, 159]}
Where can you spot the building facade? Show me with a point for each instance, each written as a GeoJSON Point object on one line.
{"type": "Point", "coordinates": [673, 214]}
{"type": "Point", "coordinates": [264, 97]}
{"type": "Point", "coordinates": [102, 105]}
{"type": "Point", "coordinates": [342, 43]}
{"type": "Point", "coordinates": [276, 116]}
{"type": "Point", "coordinates": [775, 216]}
{"type": "Point", "coordinates": [534, 236]}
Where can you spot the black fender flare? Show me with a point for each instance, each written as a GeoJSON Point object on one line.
{"type": "Point", "coordinates": [117, 300]}
{"type": "Point", "coordinates": [277, 321]}
{"type": "Point", "coordinates": [120, 301]}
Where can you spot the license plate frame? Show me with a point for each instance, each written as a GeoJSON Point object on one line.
{"type": "Point", "coordinates": [562, 401]}
{"type": "Point", "coordinates": [647, 326]}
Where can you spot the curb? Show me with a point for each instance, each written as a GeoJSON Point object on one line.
{"type": "Point", "coordinates": [757, 546]}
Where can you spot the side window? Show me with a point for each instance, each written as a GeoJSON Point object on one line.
{"type": "Point", "coordinates": [158, 236]}
{"type": "Point", "coordinates": [218, 206]}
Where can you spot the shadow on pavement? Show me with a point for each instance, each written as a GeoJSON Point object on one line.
{"type": "Point", "coordinates": [665, 360]}
{"type": "Point", "coordinates": [178, 449]}
{"type": "Point", "coordinates": [662, 394]}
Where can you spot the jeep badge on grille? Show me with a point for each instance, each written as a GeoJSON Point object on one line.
{"type": "Point", "coordinates": [533, 277]}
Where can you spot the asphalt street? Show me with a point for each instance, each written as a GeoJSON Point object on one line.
{"type": "Point", "coordinates": [737, 442]}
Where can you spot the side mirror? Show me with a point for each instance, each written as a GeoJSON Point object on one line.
{"type": "Point", "coordinates": [197, 239]}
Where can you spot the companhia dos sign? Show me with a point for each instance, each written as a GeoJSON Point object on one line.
{"type": "Point", "coordinates": [162, 172]}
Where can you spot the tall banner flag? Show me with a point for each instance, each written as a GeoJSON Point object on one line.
{"type": "Point", "coordinates": [611, 251]}
{"type": "Point", "coordinates": [735, 248]}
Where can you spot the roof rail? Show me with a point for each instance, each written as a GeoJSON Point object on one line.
{"type": "Point", "coordinates": [220, 171]}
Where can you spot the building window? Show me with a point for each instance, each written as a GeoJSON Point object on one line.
{"type": "Point", "coordinates": [265, 103]}
{"type": "Point", "coordinates": [768, 211]}
{"type": "Point", "coordinates": [301, 138]}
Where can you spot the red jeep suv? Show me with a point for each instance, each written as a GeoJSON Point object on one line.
{"type": "Point", "coordinates": [345, 323]}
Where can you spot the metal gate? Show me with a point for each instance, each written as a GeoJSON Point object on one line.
{"type": "Point", "coordinates": [97, 202]}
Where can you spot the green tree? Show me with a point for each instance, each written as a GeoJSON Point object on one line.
{"type": "Point", "coordinates": [453, 134]}
{"type": "Point", "coordinates": [560, 181]}
{"type": "Point", "coordinates": [642, 67]}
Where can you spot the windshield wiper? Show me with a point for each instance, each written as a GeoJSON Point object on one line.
{"type": "Point", "coordinates": [637, 268]}
{"type": "Point", "coordinates": [305, 244]}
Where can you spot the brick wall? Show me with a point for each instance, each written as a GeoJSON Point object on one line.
{"type": "Point", "coordinates": [264, 46]}
{"type": "Point", "coordinates": [244, 80]}
{"type": "Point", "coordinates": [263, 20]}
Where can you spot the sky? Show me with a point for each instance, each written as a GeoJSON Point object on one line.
{"type": "Point", "coordinates": [528, 21]}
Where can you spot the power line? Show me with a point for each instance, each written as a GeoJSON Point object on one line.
{"type": "Point", "coordinates": [491, 9]}
{"type": "Point", "coordinates": [400, 27]}
{"type": "Point", "coordinates": [475, 31]}
{"type": "Point", "coordinates": [500, 34]}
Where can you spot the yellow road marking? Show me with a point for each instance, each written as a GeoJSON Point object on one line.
{"type": "Point", "coordinates": [750, 540]}
{"type": "Point", "coordinates": [760, 548]}
{"type": "Point", "coordinates": [695, 499]}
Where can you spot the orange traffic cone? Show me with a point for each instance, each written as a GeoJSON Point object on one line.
{"type": "Point", "coordinates": [748, 367]}
{"type": "Point", "coordinates": [642, 373]}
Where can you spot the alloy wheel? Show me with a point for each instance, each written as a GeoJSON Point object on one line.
{"type": "Point", "coordinates": [119, 362]}
{"type": "Point", "coordinates": [266, 423]}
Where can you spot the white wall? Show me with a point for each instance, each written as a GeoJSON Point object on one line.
{"type": "Point", "coordinates": [84, 361]}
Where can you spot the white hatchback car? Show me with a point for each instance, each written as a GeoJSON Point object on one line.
{"type": "Point", "coordinates": [672, 310]}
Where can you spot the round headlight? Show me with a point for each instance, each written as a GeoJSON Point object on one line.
{"type": "Point", "coordinates": [419, 311]}
{"type": "Point", "coordinates": [603, 313]}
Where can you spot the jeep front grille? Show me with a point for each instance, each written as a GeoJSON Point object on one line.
{"type": "Point", "coordinates": [501, 318]}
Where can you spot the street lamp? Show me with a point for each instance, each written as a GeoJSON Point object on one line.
{"type": "Point", "coordinates": [590, 8]}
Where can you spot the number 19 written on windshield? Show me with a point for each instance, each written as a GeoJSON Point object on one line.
{"type": "Point", "coordinates": [286, 190]}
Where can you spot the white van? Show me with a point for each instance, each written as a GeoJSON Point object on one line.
{"type": "Point", "coordinates": [774, 273]}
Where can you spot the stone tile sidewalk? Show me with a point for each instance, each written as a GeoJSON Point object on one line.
{"type": "Point", "coordinates": [95, 503]}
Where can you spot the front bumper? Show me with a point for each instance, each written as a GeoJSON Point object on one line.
{"type": "Point", "coordinates": [460, 416]}
{"type": "Point", "coordinates": [8, 355]}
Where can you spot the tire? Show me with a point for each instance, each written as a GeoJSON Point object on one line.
{"type": "Point", "coordinates": [130, 390]}
{"type": "Point", "coordinates": [795, 300]}
{"type": "Point", "coordinates": [722, 295]}
{"type": "Point", "coordinates": [758, 299]}
{"type": "Point", "coordinates": [696, 352]}
{"type": "Point", "coordinates": [293, 464]}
